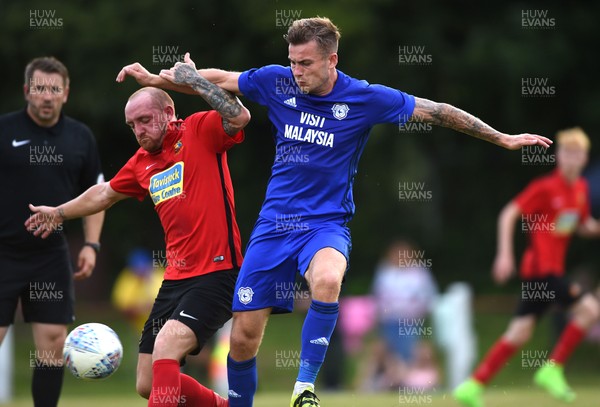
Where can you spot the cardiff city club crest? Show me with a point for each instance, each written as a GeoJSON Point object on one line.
{"type": "Point", "coordinates": [177, 146]}
{"type": "Point", "coordinates": [340, 110]}
{"type": "Point", "coordinates": [245, 295]}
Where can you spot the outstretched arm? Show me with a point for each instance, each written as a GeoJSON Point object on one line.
{"type": "Point", "coordinates": [235, 115]}
{"type": "Point", "coordinates": [443, 114]}
{"type": "Point", "coordinates": [224, 79]}
{"type": "Point", "coordinates": [145, 78]}
{"type": "Point", "coordinates": [47, 219]}
{"type": "Point", "coordinates": [504, 264]}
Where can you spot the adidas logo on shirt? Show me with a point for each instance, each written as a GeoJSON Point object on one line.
{"type": "Point", "coordinates": [290, 102]}
{"type": "Point", "coordinates": [233, 394]}
{"type": "Point", "coordinates": [321, 341]}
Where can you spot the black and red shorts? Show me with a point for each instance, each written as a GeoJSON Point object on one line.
{"type": "Point", "coordinates": [203, 303]}
{"type": "Point", "coordinates": [538, 294]}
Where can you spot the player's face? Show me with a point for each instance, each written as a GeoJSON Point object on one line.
{"type": "Point", "coordinates": [312, 69]}
{"type": "Point", "coordinates": [148, 122]}
{"type": "Point", "coordinates": [571, 159]}
{"type": "Point", "coordinates": [45, 95]}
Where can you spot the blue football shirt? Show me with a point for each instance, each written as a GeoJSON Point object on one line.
{"type": "Point", "coordinates": [318, 141]}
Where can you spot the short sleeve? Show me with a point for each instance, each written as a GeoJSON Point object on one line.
{"type": "Point", "coordinates": [532, 198]}
{"type": "Point", "coordinates": [208, 127]}
{"type": "Point", "coordinates": [125, 182]}
{"type": "Point", "coordinates": [389, 105]}
{"type": "Point", "coordinates": [256, 83]}
{"type": "Point", "coordinates": [91, 173]}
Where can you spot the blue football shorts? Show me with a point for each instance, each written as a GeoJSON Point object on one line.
{"type": "Point", "coordinates": [273, 257]}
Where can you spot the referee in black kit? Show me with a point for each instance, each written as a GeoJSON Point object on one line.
{"type": "Point", "coordinates": [51, 158]}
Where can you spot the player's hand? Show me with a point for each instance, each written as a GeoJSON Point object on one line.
{"type": "Point", "coordinates": [137, 72]}
{"type": "Point", "coordinates": [86, 263]}
{"type": "Point", "coordinates": [186, 70]}
{"type": "Point", "coordinates": [43, 221]}
{"type": "Point", "coordinates": [516, 141]}
{"type": "Point", "coordinates": [503, 268]}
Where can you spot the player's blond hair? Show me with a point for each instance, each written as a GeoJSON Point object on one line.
{"type": "Point", "coordinates": [573, 137]}
{"type": "Point", "coordinates": [320, 29]}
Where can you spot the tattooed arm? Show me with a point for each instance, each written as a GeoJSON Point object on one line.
{"type": "Point", "coordinates": [442, 114]}
{"type": "Point", "coordinates": [235, 115]}
{"type": "Point", "coordinates": [223, 79]}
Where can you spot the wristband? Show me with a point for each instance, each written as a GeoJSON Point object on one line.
{"type": "Point", "coordinates": [95, 246]}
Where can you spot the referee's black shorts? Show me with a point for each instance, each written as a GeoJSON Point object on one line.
{"type": "Point", "coordinates": [42, 280]}
{"type": "Point", "coordinates": [538, 294]}
{"type": "Point", "coordinates": [203, 303]}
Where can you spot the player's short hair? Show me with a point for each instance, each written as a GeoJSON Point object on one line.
{"type": "Point", "coordinates": [159, 96]}
{"type": "Point", "coordinates": [573, 137]}
{"type": "Point", "coordinates": [320, 29]}
{"type": "Point", "coordinates": [46, 65]}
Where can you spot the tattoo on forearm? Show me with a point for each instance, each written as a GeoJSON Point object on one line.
{"type": "Point", "coordinates": [442, 114]}
{"type": "Point", "coordinates": [219, 99]}
{"type": "Point", "coordinates": [61, 213]}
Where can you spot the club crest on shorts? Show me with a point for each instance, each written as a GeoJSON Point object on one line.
{"type": "Point", "coordinates": [340, 110]}
{"type": "Point", "coordinates": [245, 295]}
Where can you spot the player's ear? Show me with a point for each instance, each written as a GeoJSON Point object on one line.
{"type": "Point", "coordinates": [26, 91]}
{"type": "Point", "coordinates": [585, 159]}
{"type": "Point", "coordinates": [333, 60]}
{"type": "Point", "coordinates": [169, 112]}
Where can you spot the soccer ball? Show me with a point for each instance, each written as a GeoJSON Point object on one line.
{"type": "Point", "coordinates": [92, 351]}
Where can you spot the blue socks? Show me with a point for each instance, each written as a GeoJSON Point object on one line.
{"type": "Point", "coordinates": [243, 381]}
{"type": "Point", "coordinates": [316, 333]}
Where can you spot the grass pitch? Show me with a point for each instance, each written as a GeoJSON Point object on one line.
{"type": "Point", "coordinates": [496, 397]}
{"type": "Point", "coordinates": [512, 387]}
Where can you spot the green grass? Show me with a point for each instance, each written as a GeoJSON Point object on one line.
{"type": "Point", "coordinates": [510, 387]}
{"type": "Point", "coordinates": [508, 396]}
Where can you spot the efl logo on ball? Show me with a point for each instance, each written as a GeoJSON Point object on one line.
{"type": "Point", "coordinates": [92, 351]}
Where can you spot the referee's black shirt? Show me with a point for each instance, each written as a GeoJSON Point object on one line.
{"type": "Point", "coordinates": [41, 166]}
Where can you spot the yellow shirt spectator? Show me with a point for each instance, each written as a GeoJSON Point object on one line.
{"type": "Point", "coordinates": [136, 288]}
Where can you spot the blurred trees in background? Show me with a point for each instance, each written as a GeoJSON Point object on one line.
{"type": "Point", "coordinates": [479, 55]}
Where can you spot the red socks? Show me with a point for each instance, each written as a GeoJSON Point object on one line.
{"type": "Point", "coordinates": [166, 384]}
{"type": "Point", "coordinates": [197, 395]}
{"type": "Point", "coordinates": [503, 350]}
{"type": "Point", "coordinates": [568, 341]}
{"type": "Point", "coordinates": [170, 388]}
{"type": "Point", "coordinates": [495, 359]}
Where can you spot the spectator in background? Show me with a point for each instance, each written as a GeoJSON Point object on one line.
{"type": "Point", "coordinates": [452, 319]}
{"type": "Point", "coordinates": [422, 373]}
{"type": "Point", "coordinates": [404, 291]}
{"type": "Point", "coordinates": [136, 288]}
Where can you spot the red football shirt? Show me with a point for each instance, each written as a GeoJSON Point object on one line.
{"type": "Point", "coordinates": [551, 211]}
{"type": "Point", "coordinates": [190, 185]}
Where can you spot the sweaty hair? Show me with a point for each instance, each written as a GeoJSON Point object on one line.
{"type": "Point", "coordinates": [575, 137]}
{"type": "Point", "coordinates": [46, 65]}
{"type": "Point", "coordinates": [159, 96]}
{"type": "Point", "coordinates": [320, 29]}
